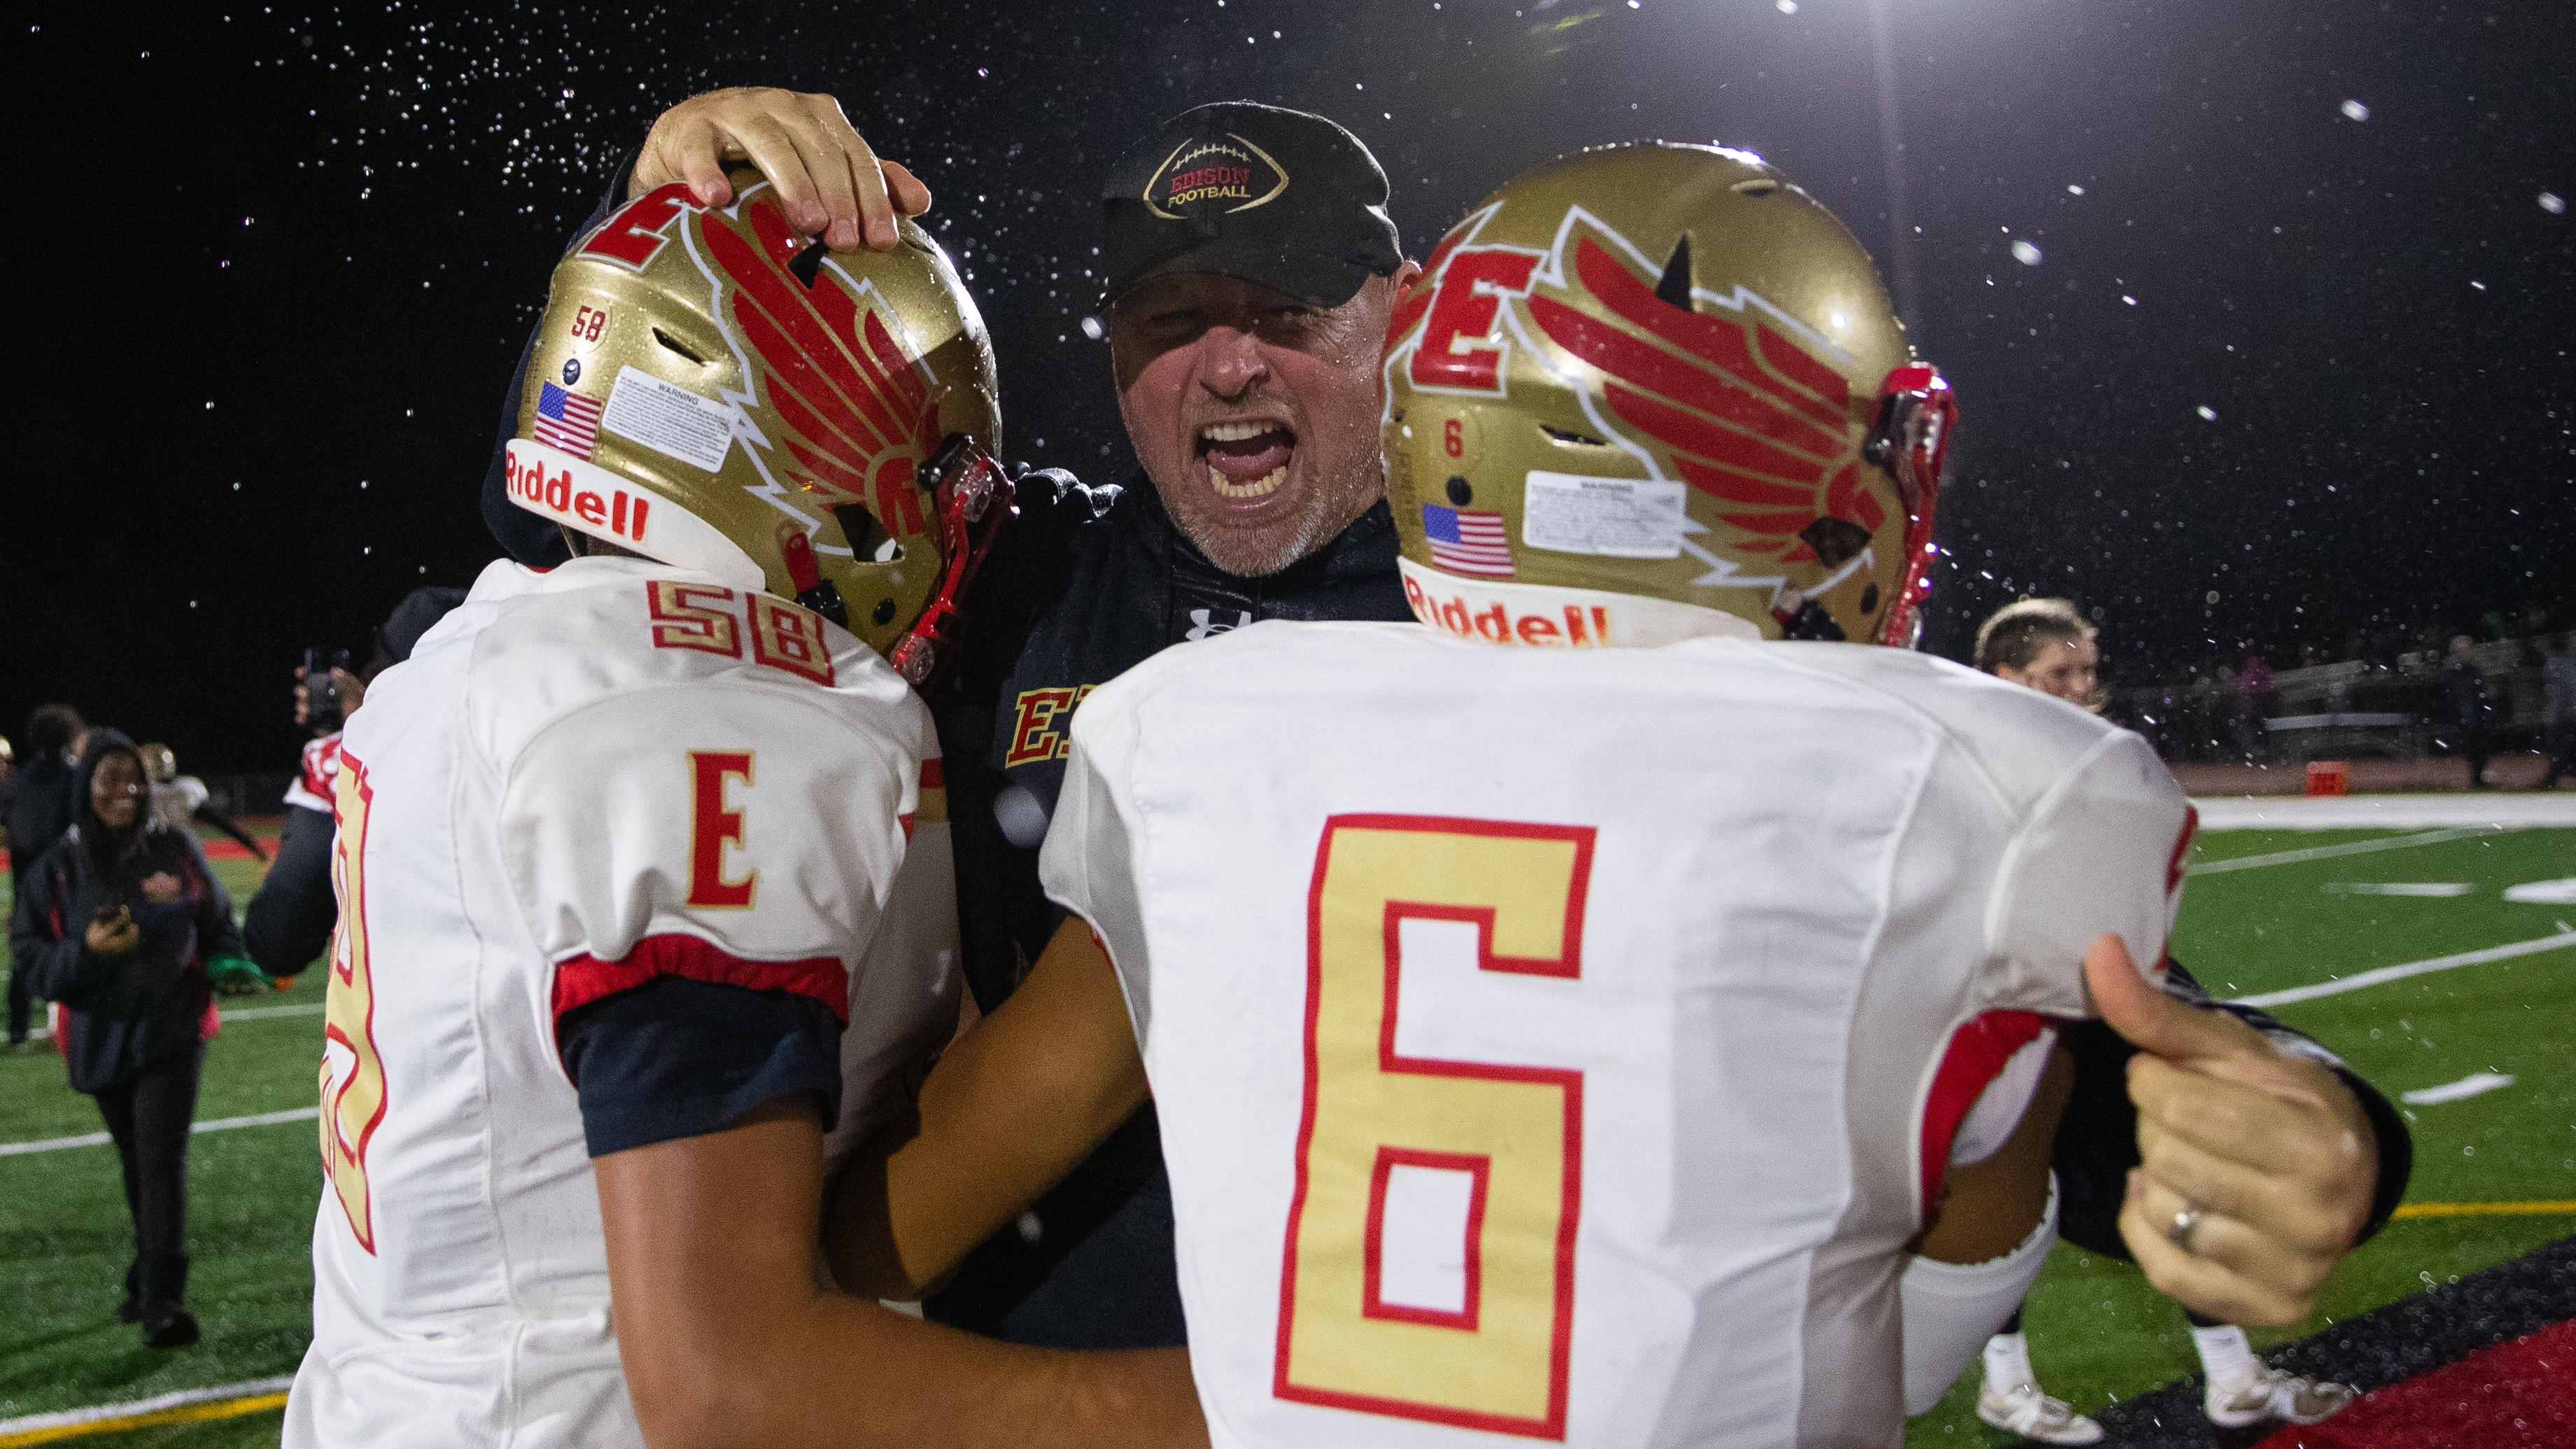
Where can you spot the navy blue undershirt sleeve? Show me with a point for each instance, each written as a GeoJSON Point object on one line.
{"type": "Point", "coordinates": [679, 1058]}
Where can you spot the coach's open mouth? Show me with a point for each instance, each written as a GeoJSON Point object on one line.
{"type": "Point", "coordinates": [1246, 458]}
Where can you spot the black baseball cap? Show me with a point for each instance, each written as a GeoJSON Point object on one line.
{"type": "Point", "coordinates": [1279, 197]}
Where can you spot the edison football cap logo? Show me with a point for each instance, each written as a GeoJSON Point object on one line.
{"type": "Point", "coordinates": [1211, 191]}
{"type": "Point", "coordinates": [1232, 174]}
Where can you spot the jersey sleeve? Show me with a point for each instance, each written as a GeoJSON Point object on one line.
{"type": "Point", "coordinates": [1088, 863]}
{"type": "Point", "coordinates": [721, 834]}
{"type": "Point", "coordinates": [2100, 850]}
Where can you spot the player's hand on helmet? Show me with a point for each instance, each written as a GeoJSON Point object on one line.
{"type": "Point", "coordinates": [827, 177]}
{"type": "Point", "coordinates": [112, 933]}
{"type": "Point", "coordinates": [2270, 1150]}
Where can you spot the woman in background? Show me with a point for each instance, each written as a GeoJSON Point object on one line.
{"type": "Point", "coordinates": [121, 922]}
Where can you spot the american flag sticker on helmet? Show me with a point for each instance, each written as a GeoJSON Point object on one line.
{"type": "Point", "coordinates": [1468, 541]}
{"type": "Point", "coordinates": [567, 420]}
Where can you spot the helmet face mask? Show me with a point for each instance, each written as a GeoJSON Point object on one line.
{"type": "Point", "coordinates": [1658, 391]}
{"type": "Point", "coordinates": [712, 391]}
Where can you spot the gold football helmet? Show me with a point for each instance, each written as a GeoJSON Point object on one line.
{"type": "Point", "coordinates": [1657, 391]}
{"type": "Point", "coordinates": [160, 766]}
{"type": "Point", "coordinates": [711, 390]}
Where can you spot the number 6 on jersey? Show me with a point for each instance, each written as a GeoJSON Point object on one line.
{"type": "Point", "coordinates": [1429, 1268]}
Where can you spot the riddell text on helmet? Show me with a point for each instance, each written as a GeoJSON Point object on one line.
{"type": "Point", "coordinates": [1581, 626]}
{"type": "Point", "coordinates": [557, 493]}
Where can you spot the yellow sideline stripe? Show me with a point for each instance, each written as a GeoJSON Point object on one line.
{"type": "Point", "coordinates": [2455, 1210]}
{"type": "Point", "coordinates": [184, 1414]}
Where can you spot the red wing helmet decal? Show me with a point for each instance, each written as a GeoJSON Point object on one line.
{"type": "Point", "coordinates": [1745, 412]}
{"type": "Point", "coordinates": [860, 415]}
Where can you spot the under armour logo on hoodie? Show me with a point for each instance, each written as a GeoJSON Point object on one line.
{"type": "Point", "coordinates": [1204, 625]}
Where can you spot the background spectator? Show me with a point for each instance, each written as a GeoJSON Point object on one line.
{"type": "Point", "coordinates": [291, 914]}
{"type": "Point", "coordinates": [2464, 691]}
{"type": "Point", "coordinates": [2046, 645]}
{"type": "Point", "coordinates": [2256, 701]}
{"type": "Point", "coordinates": [180, 801]}
{"type": "Point", "coordinates": [39, 813]}
{"type": "Point", "coordinates": [121, 922]}
{"type": "Point", "coordinates": [2558, 684]}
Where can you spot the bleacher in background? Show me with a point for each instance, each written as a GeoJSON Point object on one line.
{"type": "Point", "coordinates": [2349, 709]}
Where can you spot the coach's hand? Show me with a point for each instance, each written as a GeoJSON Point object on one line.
{"type": "Point", "coordinates": [827, 178]}
{"type": "Point", "coordinates": [2271, 1150]}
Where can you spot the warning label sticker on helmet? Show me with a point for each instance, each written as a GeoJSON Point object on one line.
{"type": "Point", "coordinates": [1611, 517]}
{"type": "Point", "coordinates": [669, 419]}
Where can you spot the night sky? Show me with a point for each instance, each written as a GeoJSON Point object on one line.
{"type": "Point", "coordinates": [2285, 353]}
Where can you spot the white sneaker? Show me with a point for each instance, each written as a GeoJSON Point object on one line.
{"type": "Point", "coordinates": [2276, 1395]}
{"type": "Point", "coordinates": [2026, 1411]}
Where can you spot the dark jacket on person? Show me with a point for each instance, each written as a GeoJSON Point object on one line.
{"type": "Point", "coordinates": [2464, 689]}
{"type": "Point", "coordinates": [40, 811]}
{"type": "Point", "coordinates": [290, 916]}
{"type": "Point", "coordinates": [132, 1011]}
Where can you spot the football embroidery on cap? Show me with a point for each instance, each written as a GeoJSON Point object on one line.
{"type": "Point", "coordinates": [1213, 172]}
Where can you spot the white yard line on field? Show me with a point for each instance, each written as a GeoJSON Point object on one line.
{"type": "Point", "coordinates": [2385, 812]}
{"type": "Point", "coordinates": [247, 1013]}
{"type": "Point", "coordinates": [220, 1124]}
{"type": "Point", "coordinates": [254, 1013]}
{"type": "Point", "coordinates": [12, 1428]}
{"type": "Point", "coordinates": [2386, 974]}
{"type": "Point", "coordinates": [2476, 1084]}
{"type": "Point", "coordinates": [2329, 852]}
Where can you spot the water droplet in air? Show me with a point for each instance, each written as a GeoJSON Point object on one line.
{"type": "Point", "coordinates": [2207, 413]}
{"type": "Point", "coordinates": [2355, 111]}
{"type": "Point", "coordinates": [2553, 203]}
{"type": "Point", "coordinates": [2026, 254]}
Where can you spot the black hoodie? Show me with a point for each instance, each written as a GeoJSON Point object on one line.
{"type": "Point", "coordinates": [127, 1012]}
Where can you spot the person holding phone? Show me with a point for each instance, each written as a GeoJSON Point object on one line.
{"type": "Point", "coordinates": [124, 923]}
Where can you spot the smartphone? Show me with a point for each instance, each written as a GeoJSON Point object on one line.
{"type": "Point", "coordinates": [321, 697]}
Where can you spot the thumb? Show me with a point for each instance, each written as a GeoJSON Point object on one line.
{"type": "Point", "coordinates": [2145, 1014]}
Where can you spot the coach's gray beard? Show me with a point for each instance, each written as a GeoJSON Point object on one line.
{"type": "Point", "coordinates": [1246, 560]}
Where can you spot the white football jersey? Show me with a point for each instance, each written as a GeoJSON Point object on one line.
{"type": "Point", "coordinates": [582, 779]}
{"type": "Point", "coordinates": [1547, 1043]}
{"type": "Point", "coordinates": [316, 770]}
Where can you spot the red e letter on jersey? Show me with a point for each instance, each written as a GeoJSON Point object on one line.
{"type": "Point", "coordinates": [712, 827]}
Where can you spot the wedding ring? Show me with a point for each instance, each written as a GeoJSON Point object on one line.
{"type": "Point", "coordinates": [2179, 1232]}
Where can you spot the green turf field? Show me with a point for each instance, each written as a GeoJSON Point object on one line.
{"type": "Point", "coordinates": [2097, 1331]}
